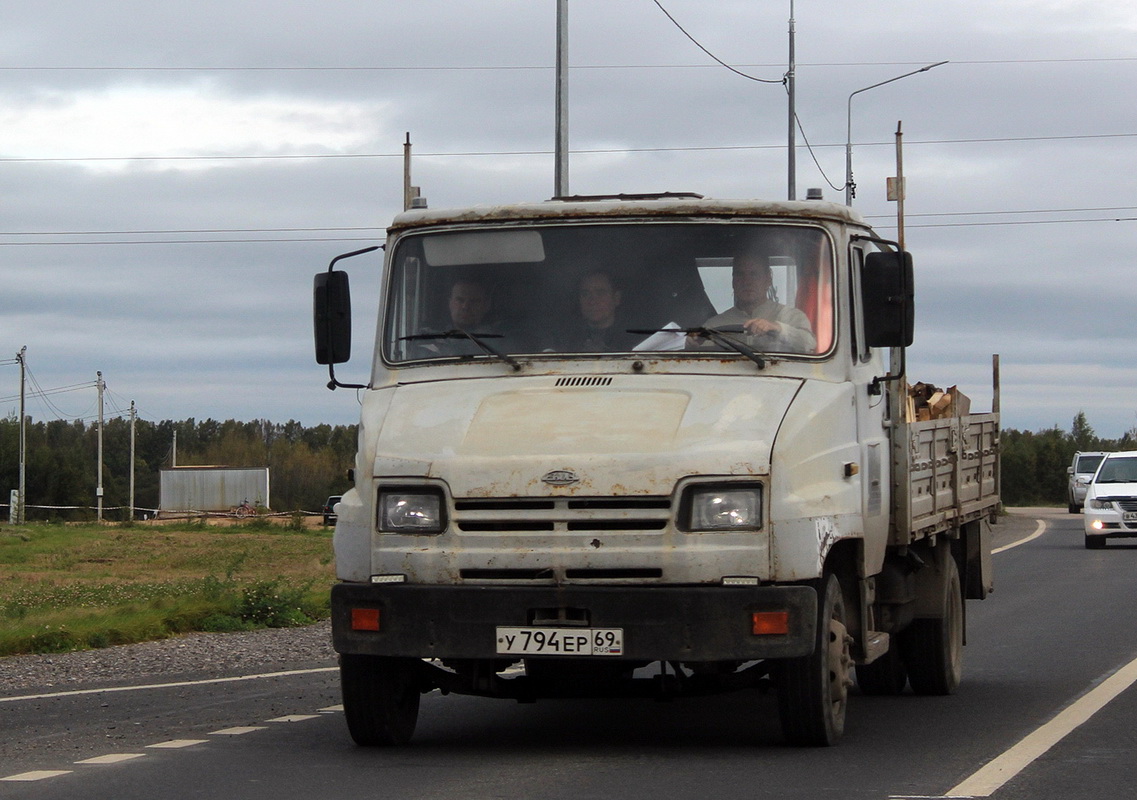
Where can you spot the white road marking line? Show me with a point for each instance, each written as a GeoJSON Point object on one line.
{"type": "Point", "coordinates": [176, 744]}
{"type": "Point", "coordinates": [295, 718]}
{"type": "Point", "coordinates": [112, 758]}
{"type": "Point", "coordinates": [985, 781]}
{"type": "Point", "coordinates": [239, 731]}
{"type": "Point", "coordinates": [1041, 529]}
{"type": "Point", "coordinates": [333, 708]}
{"type": "Point", "coordinates": [37, 775]}
{"type": "Point", "coordinates": [174, 684]}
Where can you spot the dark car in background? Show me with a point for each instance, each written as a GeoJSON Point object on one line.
{"type": "Point", "coordinates": [329, 509]}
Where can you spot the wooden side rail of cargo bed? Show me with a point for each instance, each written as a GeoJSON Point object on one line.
{"type": "Point", "coordinates": [945, 473]}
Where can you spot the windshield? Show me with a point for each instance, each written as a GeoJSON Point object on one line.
{"type": "Point", "coordinates": [1088, 463]}
{"type": "Point", "coordinates": [1117, 470]}
{"type": "Point", "coordinates": [610, 288]}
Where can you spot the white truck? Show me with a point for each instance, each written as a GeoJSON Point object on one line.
{"type": "Point", "coordinates": [717, 490]}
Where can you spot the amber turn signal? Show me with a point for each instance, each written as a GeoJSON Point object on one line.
{"type": "Point", "coordinates": [365, 619]}
{"type": "Point", "coordinates": [765, 623]}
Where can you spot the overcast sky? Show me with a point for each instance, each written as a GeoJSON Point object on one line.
{"type": "Point", "coordinates": [172, 174]}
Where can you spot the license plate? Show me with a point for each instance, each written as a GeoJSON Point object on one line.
{"type": "Point", "coordinates": [560, 641]}
{"type": "Point", "coordinates": [1129, 516]}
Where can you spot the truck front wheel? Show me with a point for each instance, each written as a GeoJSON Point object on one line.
{"type": "Point", "coordinates": [813, 691]}
{"type": "Point", "coordinates": [933, 648]}
{"type": "Point", "coordinates": [380, 698]}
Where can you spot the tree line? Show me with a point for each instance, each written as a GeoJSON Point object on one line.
{"type": "Point", "coordinates": [306, 464]}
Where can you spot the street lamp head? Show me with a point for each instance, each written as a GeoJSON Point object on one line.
{"type": "Point", "coordinates": [850, 187]}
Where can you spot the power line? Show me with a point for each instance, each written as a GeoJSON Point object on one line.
{"type": "Point", "coordinates": [709, 53]}
{"type": "Point", "coordinates": [192, 241]}
{"type": "Point", "coordinates": [580, 151]}
{"type": "Point", "coordinates": [537, 67]}
{"type": "Point", "coordinates": [186, 231]}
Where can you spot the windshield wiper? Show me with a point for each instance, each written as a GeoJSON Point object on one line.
{"type": "Point", "coordinates": [476, 338]}
{"type": "Point", "coordinates": [716, 335]}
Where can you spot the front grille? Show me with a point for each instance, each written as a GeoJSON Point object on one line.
{"type": "Point", "coordinates": [1127, 504]}
{"type": "Point", "coordinates": [562, 514]}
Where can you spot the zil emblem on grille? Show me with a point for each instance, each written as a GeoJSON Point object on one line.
{"type": "Point", "coordinates": [560, 477]}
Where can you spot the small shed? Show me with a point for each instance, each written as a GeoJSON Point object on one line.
{"type": "Point", "coordinates": [212, 488]}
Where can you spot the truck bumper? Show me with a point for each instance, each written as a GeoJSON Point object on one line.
{"type": "Point", "coordinates": [660, 623]}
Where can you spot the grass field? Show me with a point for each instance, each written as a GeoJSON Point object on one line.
{"type": "Point", "coordinates": [72, 587]}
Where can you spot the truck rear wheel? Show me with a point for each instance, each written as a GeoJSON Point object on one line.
{"type": "Point", "coordinates": [933, 648]}
{"type": "Point", "coordinates": [380, 698]}
{"type": "Point", "coordinates": [813, 691]}
{"type": "Point", "coordinates": [885, 676]}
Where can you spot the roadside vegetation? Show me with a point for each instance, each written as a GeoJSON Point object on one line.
{"type": "Point", "coordinates": [72, 587]}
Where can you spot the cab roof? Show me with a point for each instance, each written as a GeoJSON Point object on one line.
{"type": "Point", "coordinates": [667, 205]}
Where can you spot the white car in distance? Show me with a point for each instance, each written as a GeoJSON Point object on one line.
{"type": "Point", "coordinates": [1081, 471]}
{"type": "Point", "coordinates": [1111, 500]}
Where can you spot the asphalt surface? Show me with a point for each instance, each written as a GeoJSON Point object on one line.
{"type": "Point", "coordinates": [1045, 643]}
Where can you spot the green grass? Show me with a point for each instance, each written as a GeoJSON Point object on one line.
{"type": "Point", "coordinates": [72, 587]}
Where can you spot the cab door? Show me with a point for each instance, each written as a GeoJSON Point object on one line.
{"type": "Point", "coordinates": [872, 419]}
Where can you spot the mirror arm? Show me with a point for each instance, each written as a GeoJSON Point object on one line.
{"type": "Point", "coordinates": [334, 384]}
{"type": "Point", "coordinates": [875, 385]}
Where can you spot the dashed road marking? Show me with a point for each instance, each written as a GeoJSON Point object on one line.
{"type": "Point", "coordinates": [239, 731]}
{"type": "Point", "coordinates": [37, 775]}
{"type": "Point", "coordinates": [112, 758]}
{"type": "Point", "coordinates": [176, 744]}
{"type": "Point", "coordinates": [295, 718]}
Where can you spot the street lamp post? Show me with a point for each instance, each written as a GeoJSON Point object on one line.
{"type": "Point", "coordinates": [850, 189]}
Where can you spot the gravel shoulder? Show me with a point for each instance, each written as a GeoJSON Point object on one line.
{"type": "Point", "coordinates": [192, 656]}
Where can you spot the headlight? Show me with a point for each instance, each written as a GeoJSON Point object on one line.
{"type": "Point", "coordinates": [411, 511]}
{"type": "Point", "coordinates": [724, 508]}
{"type": "Point", "coordinates": [1101, 505]}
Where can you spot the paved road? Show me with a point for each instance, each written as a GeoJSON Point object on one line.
{"type": "Point", "coordinates": [1040, 656]}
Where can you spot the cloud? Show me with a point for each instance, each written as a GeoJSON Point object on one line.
{"type": "Point", "coordinates": [135, 121]}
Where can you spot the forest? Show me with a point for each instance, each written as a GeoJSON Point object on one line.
{"type": "Point", "coordinates": [309, 464]}
{"type": "Point", "coordinates": [306, 465]}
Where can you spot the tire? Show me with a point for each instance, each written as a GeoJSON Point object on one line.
{"type": "Point", "coordinates": [1095, 542]}
{"type": "Point", "coordinates": [932, 649]}
{"type": "Point", "coordinates": [887, 676]}
{"type": "Point", "coordinates": [813, 691]}
{"type": "Point", "coordinates": [380, 698]}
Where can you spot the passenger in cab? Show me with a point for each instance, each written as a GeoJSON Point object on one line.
{"type": "Point", "coordinates": [599, 331]}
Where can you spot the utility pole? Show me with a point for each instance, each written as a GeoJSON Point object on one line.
{"type": "Point", "coordinates": [21, 357]}
{"type": "Point", "coordinates": [410, 193]}
{"type": "Point", "coordinates": [133, 416]}
{"type": "Point", "coordinates": [792, 139]}
{"type": "Point", "coordinates": [99, 488]}
{"type": "Point", "coordinates": [560, 179]}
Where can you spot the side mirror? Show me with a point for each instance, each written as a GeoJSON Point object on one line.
{"type": "Point", "coordinates": [331, 316]}
{"type": "Point", "coordinates": [888, 298]}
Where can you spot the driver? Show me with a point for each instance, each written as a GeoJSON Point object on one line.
{"type": "Point", "coordinates": [766, 324]}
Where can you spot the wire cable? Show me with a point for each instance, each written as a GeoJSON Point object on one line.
{"type": "Point", "coordinates": [709, 53]}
